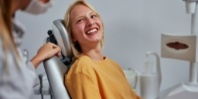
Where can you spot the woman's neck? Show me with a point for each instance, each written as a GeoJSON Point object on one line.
{"type": "Point", "coordinates": [98, 56]}
{"type": "Point", "coordinates": [94, 53]}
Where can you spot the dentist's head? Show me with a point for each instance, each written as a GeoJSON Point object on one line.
{"type": "Point", "coordinates": [32, 6]}
{"type": "Point", "coordinates": [38, 6]}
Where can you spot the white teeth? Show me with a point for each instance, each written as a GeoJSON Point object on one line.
{"type": "Point", "coordinates": [91, 31]}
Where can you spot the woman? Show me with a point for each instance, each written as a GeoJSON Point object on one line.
{"type": "Point", "coordinates": [16, 77]}
{"type": "Point", "coordinates": [92, 75]}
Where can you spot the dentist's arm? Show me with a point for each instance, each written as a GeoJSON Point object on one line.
{"type": "Point", "coordinates": [46, 51]}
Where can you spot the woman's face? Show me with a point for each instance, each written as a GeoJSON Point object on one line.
{"type": "Point", "coordinates": [86, 26]}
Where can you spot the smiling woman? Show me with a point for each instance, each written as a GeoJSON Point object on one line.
{"type": "Point", "coordinates": [84, 26]}
{"type": "Point", "coordinates": [92, 75]}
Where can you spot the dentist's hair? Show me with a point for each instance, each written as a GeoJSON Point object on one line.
{"type": "Point", "coordinates": [6, 29]}
{"type": "Point", "coordinates": [5, 23]}
{"type": "Point", "coordinates": [76, 49]}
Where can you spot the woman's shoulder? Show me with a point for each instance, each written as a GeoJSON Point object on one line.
{"type": "Point", "coordinates": [82, 64]}
{"type": "Point", "coordinates": [83, 60]}
{"type": "Point", "coordinates": [111, 61]}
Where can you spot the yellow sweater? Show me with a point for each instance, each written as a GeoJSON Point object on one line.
{"type": "Point", "coordinates": [89, 79]}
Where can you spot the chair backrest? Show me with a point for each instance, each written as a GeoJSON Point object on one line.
{"type": "Point", "coordinates": [56, 67]}
{"type": "Point", "coordinates": [55, 71]}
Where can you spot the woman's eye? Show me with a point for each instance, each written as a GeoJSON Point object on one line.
{"type": "Point", "coordinates": [94, 16]}
{"type": "Point", "coordinates": [80, 20]}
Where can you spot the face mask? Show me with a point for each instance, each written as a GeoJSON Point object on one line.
{"type": "Point", "coordinates": [38, 7]}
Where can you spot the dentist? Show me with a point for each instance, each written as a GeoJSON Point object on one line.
{"type": "Point", "coordinates": [16, 77]}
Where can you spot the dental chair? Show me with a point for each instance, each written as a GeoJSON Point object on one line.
{"type": "Point", "coordinates": [56, 67]}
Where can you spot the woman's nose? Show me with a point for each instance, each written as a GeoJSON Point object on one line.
{"type": "Point", "coordinates": [90, 22]}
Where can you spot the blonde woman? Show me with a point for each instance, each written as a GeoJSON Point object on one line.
{"type": "Point", "coordinates": [93, 75]}
{"type": "Point", "coordinates": [16, 77]}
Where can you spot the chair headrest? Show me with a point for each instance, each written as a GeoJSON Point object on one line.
{"type": "Point", "coordinates": [59, 36]}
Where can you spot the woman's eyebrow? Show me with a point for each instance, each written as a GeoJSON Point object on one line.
{"type": "Point", "coordinates": [92, 12]}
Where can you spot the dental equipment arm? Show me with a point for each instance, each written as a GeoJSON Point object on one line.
{"type": "Point", "coordinates": [187, 90]}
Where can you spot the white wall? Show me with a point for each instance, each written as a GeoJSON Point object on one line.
{"type": "Point", "coordinates": [132, 27]}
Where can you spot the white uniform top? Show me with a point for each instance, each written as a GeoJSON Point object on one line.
{"type": "Point", "coordinates": [16, 78]}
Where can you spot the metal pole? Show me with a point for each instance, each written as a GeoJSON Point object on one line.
{"type": "Point", "coordinates": [194, 30]}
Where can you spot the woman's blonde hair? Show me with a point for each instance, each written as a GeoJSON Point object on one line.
{"type": "Point", "coordinates": [6, 28]}
{"type": "Point", "coordinates": [76, 49]}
